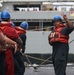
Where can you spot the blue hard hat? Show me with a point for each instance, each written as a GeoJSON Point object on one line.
{"type": "Point", "coordinates": [57, 18]}
{"type": "Point", "coordinates": [24, 25]}
{"type": "Point", "coordinates": [5, 14]}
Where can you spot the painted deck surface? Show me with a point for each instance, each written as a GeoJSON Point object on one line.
{"type": "Point", "coordinates": [47, 71]}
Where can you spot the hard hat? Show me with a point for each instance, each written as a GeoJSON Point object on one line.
{"type": "Point", "coordinates": [24, 25]}
{"type": "Point", "coordinates": [57, 18]}
{"type": "Point", "coordinates": [5, 14]}
{"type": "Point", "coordinates": [13, 24]}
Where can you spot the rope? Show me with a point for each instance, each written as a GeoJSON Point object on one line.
{"type": "Point", "coordinates": [28, 59]}
{"type": "Point", "coordinates": [71, 41]}
{"type": "Point", "coordinates": [40, 28]}
{"type": "Point", "coordinates": [47, 60]}
{"type": "Point", "coordinates": [36, 58]}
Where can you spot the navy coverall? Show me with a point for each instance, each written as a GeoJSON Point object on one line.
{"type": "Point", "coordinates": [60, 54]}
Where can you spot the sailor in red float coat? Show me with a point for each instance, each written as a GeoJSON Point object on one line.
{"type": "Point", "coordinates": [11, 33]}
{"type": "Point", "coordinates": [21, 30]}
{"type": "Point", "coordinates": [8, 54]}
{"type": "Point", "coordinates": [22, 33]}
{"type": "Point", "coordinates": [2, 54]}
{"type": "Point", "coordinates": [5, 44]}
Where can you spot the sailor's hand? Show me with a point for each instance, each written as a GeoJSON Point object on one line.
{"type": "Point", "coordinates": [2, 48]}
{"type": "Point", "coordinates": [10, 46]}
{"type": "Point", "coordinates": [64, 15]}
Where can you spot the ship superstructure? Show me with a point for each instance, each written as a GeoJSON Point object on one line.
{"type": "Point", "coordinates": [39, 12]}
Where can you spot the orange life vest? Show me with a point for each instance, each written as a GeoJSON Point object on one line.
{"type": "Point", "coordinates": [19, 30]}
{"type": "Point", "coordinates": [56, 36]}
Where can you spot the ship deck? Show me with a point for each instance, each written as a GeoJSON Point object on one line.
{"type": "Point", "coordinates": [47, 70]}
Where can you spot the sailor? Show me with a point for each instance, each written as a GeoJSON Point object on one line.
{"type": "Point", "coordinates": [10, 33]}
{"type": "Point", "coordinates": [5, 44]}
{"type": "Point", "coordinates": [2, 53]}
{"type": "Point", "coordinates": [21, 30]}
{"type": "Point", "coordinates": [58, 39]}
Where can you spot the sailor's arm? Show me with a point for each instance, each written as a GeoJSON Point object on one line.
{"type": "Point", "coordinates": [2, 39]}
{"type": "Point", "coordinates": [69, 23]}
{"type": "Point", "coordinates": [10, 42]}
